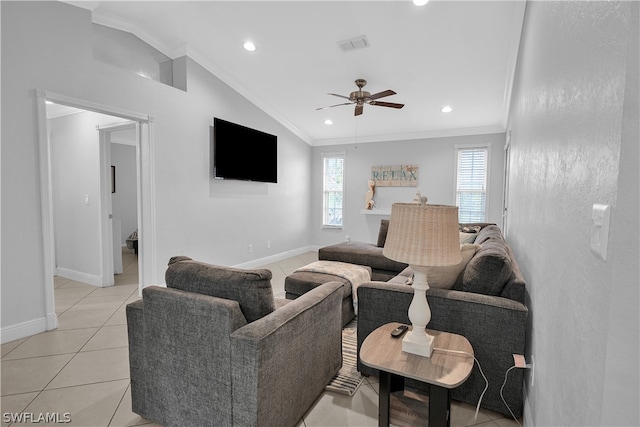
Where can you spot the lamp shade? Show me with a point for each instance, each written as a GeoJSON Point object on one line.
{"type": "Point", "coordinates": [426, 235]}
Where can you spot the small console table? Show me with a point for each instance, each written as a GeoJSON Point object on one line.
{"type": "Point", "coordinates": [447, 368]}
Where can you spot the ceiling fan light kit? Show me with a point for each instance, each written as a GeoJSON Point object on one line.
{"type": "Point", "coordinates": [361, 97]}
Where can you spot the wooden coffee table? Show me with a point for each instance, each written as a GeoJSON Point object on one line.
{"type": "Point", "coordinates": [443, 371]}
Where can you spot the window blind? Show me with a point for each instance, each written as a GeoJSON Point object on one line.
{"type": "Point", "coordinates": [333, 190]}
{"type": "Point", "coordinates": [471, 187]}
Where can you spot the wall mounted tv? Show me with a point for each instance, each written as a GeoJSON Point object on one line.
{"type": "Point", "coordinates": [242, 153]}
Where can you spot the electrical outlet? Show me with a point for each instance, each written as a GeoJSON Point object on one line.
{"type": "Point", "coordinates": [519, 361]}
{"type": "Point", "coordinates": [250, 248]}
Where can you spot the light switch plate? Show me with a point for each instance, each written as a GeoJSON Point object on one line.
{"type": "Point", "coordinates": [600, 230]}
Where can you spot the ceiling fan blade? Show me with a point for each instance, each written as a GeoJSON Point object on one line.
{"type": "Point", "coordinates": [340, 96]}
{"type": "Point", "coordinates": [331, 106]}
{"type": "Point", "coordinates": [386, 104]}
{"type": "Point", "coordinates": [359, 109]}
{"type": "Point", "coordinates": [382, 94]}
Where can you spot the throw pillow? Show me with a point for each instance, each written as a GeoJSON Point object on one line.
{"type": "Point", "coordinates": [467, 237]}
{"type": "Point", "coordinates": [489, 270]}
{"type": "Point", "coordinates": [250, 288]}
{"type": "Point", "coordinates": [444, 277]}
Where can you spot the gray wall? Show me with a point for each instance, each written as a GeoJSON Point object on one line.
{"type": "Point", "coordinates": [48, 45]}
{"type": "Point", "coordinates": [574, 122]}
{"type": "Point", "coordinates": [436, 159]}
{"type": "Point", "coordinates": [76, 176]}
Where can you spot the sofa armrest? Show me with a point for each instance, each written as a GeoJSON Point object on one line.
{"type": "Point", "coordinates": [135, 331]}
{"type": "Point", "coordinates": [289, 356]}
{"type": "Point", "coordinates": [360, 253]}
{"type": "Point", "coordinates": [495, 327]}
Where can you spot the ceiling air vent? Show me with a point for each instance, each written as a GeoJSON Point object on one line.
{"type": "Point", "coordinates": [355, 43]}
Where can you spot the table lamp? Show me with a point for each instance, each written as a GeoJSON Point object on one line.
{"type": "Point", "coordinates": [422, 236]}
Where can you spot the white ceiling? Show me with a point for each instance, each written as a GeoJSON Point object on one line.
{"type": "Point", "coordinates": [457, 53]}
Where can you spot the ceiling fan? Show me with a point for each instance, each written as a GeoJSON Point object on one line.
{"type": "Point", "coordinates": [361, 97]}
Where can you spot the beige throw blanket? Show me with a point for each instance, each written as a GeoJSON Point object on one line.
{"type": "Point", "coordinates": [355, 274]}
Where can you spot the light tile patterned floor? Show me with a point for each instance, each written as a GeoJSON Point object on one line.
{"type": "Point", "coordinates": [82, 368]}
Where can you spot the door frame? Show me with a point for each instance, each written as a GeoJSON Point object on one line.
{"type": "Point", "coordinates": [505, 185]}
{"type": "Point", "coordinates": [145, 191]}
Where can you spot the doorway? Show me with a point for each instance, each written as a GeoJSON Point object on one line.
{"type": "Point", "coordinates": [118, 169]}
{"type": "Point", "coordinates": [93, 201]}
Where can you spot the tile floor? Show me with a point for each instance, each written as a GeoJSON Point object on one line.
{"type": "Point", "coordinates": [82, 368]}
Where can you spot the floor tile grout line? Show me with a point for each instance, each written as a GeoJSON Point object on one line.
{"type": "Point", "coordinates": [119, 403]}
{"type": "Point", "coordinates": [85, 384]}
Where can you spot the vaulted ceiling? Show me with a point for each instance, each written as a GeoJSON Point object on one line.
{"type": "Point", "coordinates": [460, 54]}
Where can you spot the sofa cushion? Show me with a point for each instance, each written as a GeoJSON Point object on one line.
{"type": "Point", "coordinates": [301, 282]}
{"type": "Point", "coordinates": [360, 253]}
{"type": "Point", "coordinates": [250, 288]}
{"type": "Point", "coordinates": [382, 232]}
{"type": "Point", "coordinates": [444, 277]}
{"type": "Point", "coordinates": [488, 271]}
{"type": "Point", "coordinates": [489, 232]}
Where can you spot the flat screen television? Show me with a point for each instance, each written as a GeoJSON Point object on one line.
{"type": "Point", "coordinates": [242, 153]}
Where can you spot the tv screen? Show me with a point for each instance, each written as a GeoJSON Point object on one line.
{"type": "Point", "coordinates": [243, 154]}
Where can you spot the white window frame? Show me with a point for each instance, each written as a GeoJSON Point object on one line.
{"type": "Point", "coordinates": [457, 190]}
{"type": "Point", "coordinates": [325, 191]}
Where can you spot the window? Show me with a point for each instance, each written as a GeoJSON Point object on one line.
{"type": "Point", "coordinates": [332, 189]}
{"type": "Point", "coordinates": [471, 183]}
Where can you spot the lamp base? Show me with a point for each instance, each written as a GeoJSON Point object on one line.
{"type": "Point", "coordinates": [418, 342]}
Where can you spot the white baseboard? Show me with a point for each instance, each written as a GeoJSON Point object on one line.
{"type": "Point", "coordinates": [24, 329]}
{"type": "Point", "coordinates": [79, 276]}
{"type": "Point", "coordinates": [277, 257]}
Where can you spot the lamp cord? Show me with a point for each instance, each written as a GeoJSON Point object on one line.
{"type": "Point", "coordinates": [475, 419]}
{"type": "Point", "coordinates": [502, 396]}
{"type": "Point", "coordinates": [486, 382]}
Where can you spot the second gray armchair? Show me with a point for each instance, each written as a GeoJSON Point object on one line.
{"type": "Point", "coordinates": [215, 348]}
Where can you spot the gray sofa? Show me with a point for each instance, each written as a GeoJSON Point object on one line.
{"type": "Point", "coordinates": [368, 254]}
{"type": "Point", "coordinates": [485, 304]}
{"type": "Point", "coordinates": [214, 348]}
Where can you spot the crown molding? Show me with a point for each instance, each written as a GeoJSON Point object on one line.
{"type": "Point", "coordinates": [183, 49]}
{"type": "Point", "coordinates": [238, 87]}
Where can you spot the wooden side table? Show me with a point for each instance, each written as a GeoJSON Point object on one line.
{"type": "Point", "coordinates": [443, 371]}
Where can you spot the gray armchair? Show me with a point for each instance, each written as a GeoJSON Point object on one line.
{"type": "Point", "coordinates": [215, 348]}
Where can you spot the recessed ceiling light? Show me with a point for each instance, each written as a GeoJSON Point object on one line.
{"type": "Point", "coordinates": [328, 122]}
{"type": "Point", "coordinates": [420, 2]}
{"type": "Point", "coordinates": [446, 109]}
{"type": "Point", "coordinates": [249, 46]}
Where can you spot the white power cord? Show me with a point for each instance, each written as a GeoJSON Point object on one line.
{"type": "Point", "coordinates": [475, 419]}
{"type": "Point", "coordinates": [502, 396]}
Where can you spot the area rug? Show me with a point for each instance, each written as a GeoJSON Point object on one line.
{"type": "Point", "coordinates": [348, 379]}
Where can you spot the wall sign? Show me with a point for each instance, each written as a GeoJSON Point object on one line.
{"type": "Point", "coordinates": [395, 175]}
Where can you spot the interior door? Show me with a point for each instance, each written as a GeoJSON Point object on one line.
{"type": "Point", "coordinates": [112, 226]}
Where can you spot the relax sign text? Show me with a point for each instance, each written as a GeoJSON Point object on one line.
{"type": "Point", "coordinates": [395, 175]}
